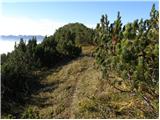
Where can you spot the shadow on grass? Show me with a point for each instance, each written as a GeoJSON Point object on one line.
{"type": "Point", "coordinates": [36, 86]}
{"type": "Point", "coordinates": [14, 109]}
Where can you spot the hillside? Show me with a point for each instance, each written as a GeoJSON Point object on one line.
{"type": "Point", "coordinates": [64, 87]}
{"type": "Point", "coordinates": [80, 33]}
{"type": "Point", "coordinates": [76, 90]}
{"type": "Point", "coordinates": [111, 71]}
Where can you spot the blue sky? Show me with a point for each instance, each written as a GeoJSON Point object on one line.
{"type": "Point", "coordinates": [59, 13]}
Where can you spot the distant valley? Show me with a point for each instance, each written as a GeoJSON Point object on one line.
{"type": "Point", "coordinates": [18, 37]}
{"type": "Point", "coordinates": [7, 42]}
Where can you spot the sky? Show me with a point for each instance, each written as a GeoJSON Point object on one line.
{"type": "Point", "coordinates": [41, 17]}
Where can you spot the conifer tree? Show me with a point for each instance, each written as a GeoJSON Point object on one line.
{"type": "Point", "coordinates": [132, 54]}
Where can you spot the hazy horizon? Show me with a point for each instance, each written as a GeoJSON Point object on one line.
{"type": "Point", "coordinates": [44, 17]}
{"type": "Point", "coordinates": [7, 45]}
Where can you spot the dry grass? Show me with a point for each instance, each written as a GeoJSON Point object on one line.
{"type": "Point", "coordinates": [87, 50]}
{"type": "Point", "coordinates": [76, 90]}
{"type": "Point", "coordinates": [65, 87]}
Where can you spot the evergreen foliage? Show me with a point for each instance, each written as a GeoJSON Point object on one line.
{"type": "Point", "coordinates": [131, 52]}
{"type": "Point", "coordinates": [18, 67]}
{"type": "Point", "coordinates": [77, 32]}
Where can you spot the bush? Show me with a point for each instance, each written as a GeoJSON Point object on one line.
{"type": "Point", "coordinates": [131, 52]}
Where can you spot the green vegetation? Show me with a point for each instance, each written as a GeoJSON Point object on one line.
{"type": "Point", "coordinates": [132, 53]}
{"type": "Point", "coordinates": [79, 33]}
{"type": "Point", "coordinates": [109, 72]}
{"type": "Point", "coordinates": [19, 76]}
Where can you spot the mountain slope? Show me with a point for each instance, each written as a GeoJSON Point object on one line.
{"type": "Point", "coordinates": [76, 90]}
{"type": "Point", "coordinates": [80, 33]}
{"type": "Point", "coordinates": [64, 87]}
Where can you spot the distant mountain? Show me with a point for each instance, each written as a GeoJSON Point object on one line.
{"type": "Point", "coordinates": [82, 34]}
{"type": "Point", "coordinates": [18, 37]}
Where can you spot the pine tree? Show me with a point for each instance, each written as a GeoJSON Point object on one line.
{"type": "Point", "coordinates": [132, 54]}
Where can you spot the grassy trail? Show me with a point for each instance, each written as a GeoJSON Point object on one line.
{"type": "Point", "coordinates": [65, 87]}
{"type": "Point", "coordinates": [76, 90]}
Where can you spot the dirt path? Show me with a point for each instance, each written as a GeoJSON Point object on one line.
{"type": "Point", "coordinates": [65, 87]}
{"type": "Point", "coordinates": [75, 90]}
{"type": "Point", "coordinates": [78, 82]}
